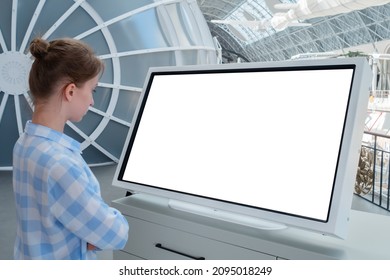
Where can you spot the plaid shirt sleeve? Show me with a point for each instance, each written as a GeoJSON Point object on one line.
{"type": "Point", "coordinates": [58, 203]}
{"type": "Point", "coordinates": [80, 208]}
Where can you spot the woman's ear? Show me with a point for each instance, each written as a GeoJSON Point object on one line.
{"type": "Point", "coordinates": [68, 92]}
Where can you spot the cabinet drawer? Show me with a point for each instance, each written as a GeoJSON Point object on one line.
{"type": "Point", "coordinates": [121, 255]}
{"type": "Point", "coordinates": [152, 241]}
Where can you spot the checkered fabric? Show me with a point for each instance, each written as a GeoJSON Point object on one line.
{"type": "Point", "coordinates": [58, 202]}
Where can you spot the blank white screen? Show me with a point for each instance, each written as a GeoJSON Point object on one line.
{"type": "Point", "coordinates": [265, 139]}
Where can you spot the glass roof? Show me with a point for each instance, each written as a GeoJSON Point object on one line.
{"type": "Point", "coordinates": [250, 11]}
{"type": "Point", "coordinates": [247, 29]}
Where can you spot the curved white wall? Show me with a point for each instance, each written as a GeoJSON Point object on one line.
{"type": "Point", "coordinates": [130, 36]}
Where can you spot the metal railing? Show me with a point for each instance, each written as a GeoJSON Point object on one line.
{"type": "Point", "coordinates": [373, 174]}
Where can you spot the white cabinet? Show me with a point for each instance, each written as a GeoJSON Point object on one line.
{"type": "Point", "coordinates": [158, 232]}
{"type": "Point", "coordinates": [153, 241]}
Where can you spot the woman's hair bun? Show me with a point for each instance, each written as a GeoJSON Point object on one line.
{"type": "Point", "coordinates": [39, 48]}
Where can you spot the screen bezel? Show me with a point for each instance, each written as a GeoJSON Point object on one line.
{"type": "Point", "coordinates": [347, 159]}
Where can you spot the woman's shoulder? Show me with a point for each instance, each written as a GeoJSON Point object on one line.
{"type": "Point", "coordinates": [51, 154]}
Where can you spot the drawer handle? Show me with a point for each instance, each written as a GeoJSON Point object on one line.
{"type": "Point", "coordinates": [160, 246]}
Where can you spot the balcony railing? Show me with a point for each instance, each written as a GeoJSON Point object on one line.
{"type": "Point", "coordinates": [373, 174]}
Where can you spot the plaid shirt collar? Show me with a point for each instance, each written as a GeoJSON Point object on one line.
{"type": "Point", "coordinates": [53, 135]}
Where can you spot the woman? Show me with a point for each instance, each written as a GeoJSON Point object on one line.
{"type": "Point", "coordinates": [60, 212]}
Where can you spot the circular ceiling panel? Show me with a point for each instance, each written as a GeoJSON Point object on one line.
{"type": "Point", "coordinates": [129, 36]}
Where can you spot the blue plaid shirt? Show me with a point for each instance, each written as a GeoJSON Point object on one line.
{"type": "Point", "coordinates": [58, 202]}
